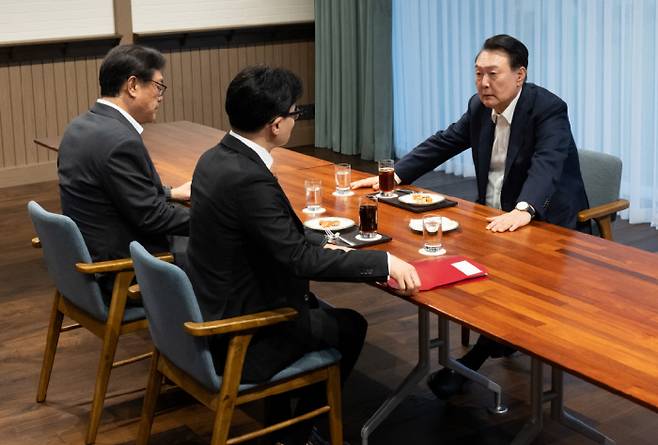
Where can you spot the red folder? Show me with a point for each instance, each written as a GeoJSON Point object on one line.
{"type": "Point", "coordinates": [441, 271]}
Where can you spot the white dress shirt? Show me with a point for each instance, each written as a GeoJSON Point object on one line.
{"type": "Point", "coordinates": [125, 114]}
{"type": "Point", "coordinates": [503, 123]}
{"type": "Point", "coordinates": [260, 151]}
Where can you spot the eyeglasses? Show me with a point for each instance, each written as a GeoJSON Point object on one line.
{"type": "Point", "coordinates": [293, 114]}
{"type": "Point", "coordinates": [160, 86]}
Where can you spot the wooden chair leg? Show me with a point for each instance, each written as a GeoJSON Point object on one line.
{"type": "Point", "coordinates": [150, 400]}
{"type": "Point", "coordinates": [335, 405]}
{"type": "Point", "coordinates": [466, 336]}
{"type": "Point", "coordinates": [54, 328]}
{"type": "Point", "coordinates": [228, 392]}
{"type": "Point", "coordinates": [110, 341]}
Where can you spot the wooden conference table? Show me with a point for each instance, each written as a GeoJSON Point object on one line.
{"type": "Point", "coordinates": [577, 302]}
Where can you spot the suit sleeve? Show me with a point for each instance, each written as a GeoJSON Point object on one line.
{"type": "Point", "coordinates": [435, 150]}
{"type": "Point", "coordinates": [133, 190]}
{"type": "Point", "coordinates": [552, 143]}
{"type": "Point", "coordinates": [268, 220]}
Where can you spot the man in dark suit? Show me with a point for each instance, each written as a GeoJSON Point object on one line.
{"type": "Point", "coordinates": [108, 183]}
{"type": "Point", "coordinates": [249, 252]}
{"type": "Point", "coordinates": [526, 162]}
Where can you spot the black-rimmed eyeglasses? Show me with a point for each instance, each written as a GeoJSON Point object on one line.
{"type": "Point", "coordinates": [160, 86]}
{"type": "Point", "coordinates": [293, 114]}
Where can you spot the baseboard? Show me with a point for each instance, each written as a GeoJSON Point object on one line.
{"type": "Point", "coordinates": [28, 174]}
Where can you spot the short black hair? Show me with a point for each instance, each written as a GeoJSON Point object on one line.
{"type": "Point", "coordinates": [258, 94]}
{"type": "Point", "coordinates": [516, 51]}
{"type": "Point", "coordinates": [124, 61]}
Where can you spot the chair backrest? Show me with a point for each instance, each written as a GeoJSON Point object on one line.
{"type": "Point", "coordinates": [169, 302]}
{"type": "Point", "coordinates": [63, 247]}
{"type": "Point", "coordinates": [602, 176]}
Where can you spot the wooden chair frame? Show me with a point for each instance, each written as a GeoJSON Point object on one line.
{"type": "Point", "coordinates": [108, 331]}
{"type": "Point", "coordinates": [241, 330]}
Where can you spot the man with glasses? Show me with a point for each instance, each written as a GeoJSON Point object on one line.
{"type": "Point", "coordinates": [249, 252]}
{"type": "Point", "coordinates": [108, 183]}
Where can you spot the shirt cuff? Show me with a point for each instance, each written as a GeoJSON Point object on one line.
{"type": "Point", "coordinates": [397, 178]}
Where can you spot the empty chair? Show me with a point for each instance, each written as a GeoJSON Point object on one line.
{"type": "Point", "coordinates": [182, 355]}
{"type": "Point", "coordinates": [78, 296]}
{"type": "Point", "coordinates": [602, 177]}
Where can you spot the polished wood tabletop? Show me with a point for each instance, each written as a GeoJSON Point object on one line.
{"type": "Point", "coordinates": [175, 148]}
{"type": "Point", "coordinates": [584, 304]}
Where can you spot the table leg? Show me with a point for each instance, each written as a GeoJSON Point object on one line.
{"type": "Point", "coordinates": [416, 375]}
{"type": "Point", "coordinates": [533, 427]}
{"type": "Point", "coordinates": [562, 415]}
{"type": "Point", "coordinates": [555, 396]}
{"type": "Point", "coordinates": [445, 360]}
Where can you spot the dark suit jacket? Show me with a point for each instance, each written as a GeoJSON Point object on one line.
{"type": "Point", "coordinates": [110, 188]}
{"type": "Point", "coordinates": [248, 251]}
{"type": "Point", "coordinates": [542, 165]}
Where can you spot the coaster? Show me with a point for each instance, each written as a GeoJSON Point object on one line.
{"type": "Point", "coordinates": [392, 195]}
{"type": "Point", "coordinates": [422, 251]}
{"type": "Point", "coordinates": [341, 194]}
{"type": "Point", "coordinates": [377, 237]}
{"type": "Point", "coordinates": [314, 211]}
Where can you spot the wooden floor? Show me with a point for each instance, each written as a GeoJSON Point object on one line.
{"type": "Point", "coordinates": [390, 351]}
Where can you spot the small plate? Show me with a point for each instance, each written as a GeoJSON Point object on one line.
{"type": "Point", "coordinates": [332, 223]}
{"type": "Point", "coordinates": [447, 224]}
{"type": "Point", "coordinates": [421, 199]}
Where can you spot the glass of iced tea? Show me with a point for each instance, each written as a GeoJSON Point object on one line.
{"type": "Point", "coordinates": [386, 178]}
{"type": "Point", "coordinates": [367, 217]}
{"type": "Point", "coordinates": [432, 235]}
{"type": "Point", "coordinates": [343, 174]}
{"type": "Point", "coordinates": [313, 189]}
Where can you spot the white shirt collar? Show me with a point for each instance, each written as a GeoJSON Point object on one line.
{"type": "Point", "coordinates": [260, 151]}
{"type": "Point", "coordinates": [508, 114]}
{"type": "Point", "coordinates": [124, 113]}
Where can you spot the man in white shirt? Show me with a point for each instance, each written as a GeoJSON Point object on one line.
{"type": "Point", "coordinates": [526, 161]}
{"type": "Point", "coordinates": [249, 252]}
{"type": "Point", "coordinates": [108, 183]}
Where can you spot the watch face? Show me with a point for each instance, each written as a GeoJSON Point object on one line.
{"type": "Point", "coordinates": [522, 206]}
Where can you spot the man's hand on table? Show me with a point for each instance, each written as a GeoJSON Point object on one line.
{"type": "Point", "coordinates": [372, 181]}
{"type": "Point", "coordinates": [508, 221]}
{"type": "Point", "coordinates": [182, 192]}
{"type": "Point", "coordinates": [405, 274]}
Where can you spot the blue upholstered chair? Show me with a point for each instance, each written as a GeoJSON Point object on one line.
{"type": "Point", "coordinates": [182, 354]}
{"type": "Point", "coordinates": [602, 177]}
{"type": "Point", "coordinates": [78, 296]}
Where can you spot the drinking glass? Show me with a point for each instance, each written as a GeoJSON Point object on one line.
{"type": "Point", "coordinates": [367, 217]}
{"type": "Point", "coordinates": [432, 234]}
{"type": "Point", "coordinates": [386, 178]}
{"type": "Point", "coordinates": [343, 178]}
{"type": "Point", "coordinates": [313, 189]}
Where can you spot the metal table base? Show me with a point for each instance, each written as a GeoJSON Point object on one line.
{"type": "Point", "coordinates": [538, 397]}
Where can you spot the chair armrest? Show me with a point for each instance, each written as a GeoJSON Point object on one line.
{"type": "Point", "coordinates": [36, 242]}
{"type": "Point", "coordinates": [241, 323]}
{"type": "Point", "coordinates": [134, 292]}
{"type": "Point", "coordinates": [603, 210]}
{"type": "Point", "coordinates": [115, 265]}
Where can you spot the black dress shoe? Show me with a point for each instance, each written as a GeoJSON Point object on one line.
{"type": "Point", "coordinates": [445, 383]}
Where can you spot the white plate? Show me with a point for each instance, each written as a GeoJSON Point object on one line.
{"type": "Point", "coordinates": [447, 224]}
{"type": "Point", "coordinates": [421, 199]}
{"type": "Point", "coordinates": [332, 223]}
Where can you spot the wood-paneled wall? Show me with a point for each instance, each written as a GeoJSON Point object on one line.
{"type": "Point", "coordinates": [39, 98]}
